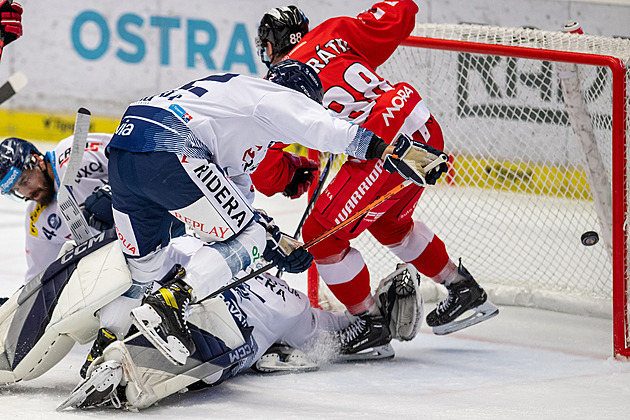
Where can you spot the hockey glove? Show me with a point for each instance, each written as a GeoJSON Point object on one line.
{"type": "Point", "coordinates": [416, 161]}
{"type": "Point", "coordinates": [400, 301]}
{"type": "Point", "coordinates": [97, 209]}
{"type": "Point", "coordinates": [304, 172]}
{"type": "Point", "coordinates": [10, 21]}
{"type": "Point", "coordinates": [282, 250]}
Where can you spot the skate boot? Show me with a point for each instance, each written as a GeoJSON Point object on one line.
{"type": "Point", "coordinates": [161, 319]}
{"type": "Point", "coordinates": [103, 339]}
{"type": "Point", "coordinates": [283, 358]}
{"type": "Point", "coordinates": [463, 295]}
{"type": "Point", "coordinates": [100, 389]}
{"type": "Point", "coordinates": [367, 338]}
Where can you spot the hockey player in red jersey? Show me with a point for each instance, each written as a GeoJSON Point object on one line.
{"type": "Point", "coordinates": [345, 51]}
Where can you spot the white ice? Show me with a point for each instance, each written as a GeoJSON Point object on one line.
{"type": "Point", "coordinates": [523, 364]}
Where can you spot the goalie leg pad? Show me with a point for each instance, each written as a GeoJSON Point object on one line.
{"type": "Point", "coordinates": [400, 301]}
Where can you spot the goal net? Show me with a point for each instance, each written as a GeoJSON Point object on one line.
{"type": "Point", "coordinates": [535, 124]}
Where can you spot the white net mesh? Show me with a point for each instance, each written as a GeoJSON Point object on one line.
{"type": "Point", "coordinates": [517, 199]}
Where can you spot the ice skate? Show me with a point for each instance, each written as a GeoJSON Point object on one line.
{"type": "Point", "coordinates": [161, 320]}
{"type": "Point", "coordinates": [463, 296]}
{"type": "Point", "coordinates": [99, 389]}
{"type": "Point", "coordinates": [283, 358]}
{"type": "Point", "coordinates": [367, 338]}
{"type": "Point", "coordinates": [103, 339]}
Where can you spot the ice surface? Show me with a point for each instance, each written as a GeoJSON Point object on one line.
{"type": "Point", "coordinates": [523, 364]}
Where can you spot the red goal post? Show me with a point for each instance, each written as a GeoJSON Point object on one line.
{"type": "Point", "coordinates": [536, 123]}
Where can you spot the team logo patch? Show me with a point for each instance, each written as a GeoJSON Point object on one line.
{"type": "Point", "coordinates": [181, 112]}
{"type": "Point", "coordinates": [54, 221]}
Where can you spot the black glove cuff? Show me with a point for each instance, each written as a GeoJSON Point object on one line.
{"type": "Point", "coordinates": [376, 148]}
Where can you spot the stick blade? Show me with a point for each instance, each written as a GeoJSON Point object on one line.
{"type": "Point", "coordinates": [81, 129]}
{"type": "Point", "coordinates": [84, 111]}
{"type": "Point", "coordinates": [12, 86]}
{"type": "Point", "coordinates": [67, 203]}
{"type": "Point", "coordinates": [18, 81]}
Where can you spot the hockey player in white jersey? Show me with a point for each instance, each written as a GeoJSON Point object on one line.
{"type": "Point", "coordinates": [231, 332]}
{"type": "Point", "coordinates": [28, 174]}
{"type": "Point", "coordinates": [186, 154]}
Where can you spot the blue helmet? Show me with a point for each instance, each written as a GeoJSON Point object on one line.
{"type": "Point", "coordinates": [297, 76]}
{"type": "Point", "coordinates": [16, 155]}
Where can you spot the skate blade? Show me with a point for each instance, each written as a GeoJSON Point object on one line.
{"type": "Point", "coordinates": [482, 313]}
{"type": "Point", "coordinates": [273, 364]}
{"type": "Point", "coordinates": [146, 320]}
{"type": "Point", "coordinates": [375, 353]}
{"type": "Point", "coordinates": [98, 386]}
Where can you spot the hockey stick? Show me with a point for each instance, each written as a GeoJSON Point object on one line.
{"type": "Point", "coordinates": [315, 196]}
{"type": "Point", "coordinates": [311, 202]}
{"type": "Point", "coordinates": [314, 241]}
{"type": "Point", "coordinates": [12, 86]}
{"type": "Point", "coordinates": [358, 214]}
{"type": "Point", "coordinates": [68, 205]}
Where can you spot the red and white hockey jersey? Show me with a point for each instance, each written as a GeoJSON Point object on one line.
{"type": "Point", "coordinates": [345, 51]}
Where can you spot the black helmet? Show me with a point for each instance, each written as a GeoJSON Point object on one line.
{"type": "Point", "coordinates": [297, 76]}
{"type": "Point", "coordinates": [283, 27]}
{"type": "Point", "coordinates": [16, 155]}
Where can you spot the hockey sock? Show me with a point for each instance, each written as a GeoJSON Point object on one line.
{"type": "Point", "coordinates": [115, 315]}
{"type": "Point", "coordinates": [349, 281]}
{"type": "Point", "coordinates": [422, 248]}
{"type": "Point", "coordinates": [212, 266]}
{"type": "Point", "coordinates": [308, 328]}
{"type": "Point", "coordinates": [449, 274]}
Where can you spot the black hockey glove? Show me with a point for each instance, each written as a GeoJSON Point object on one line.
{"type": "Point", "coordinates": [416, 161]}
{"type": "Point", "coordinates": [282, 250]}
{"type": "Point", "coordinates": [97, 209]}
{"type": "Point", "coordinates": [305, 172]}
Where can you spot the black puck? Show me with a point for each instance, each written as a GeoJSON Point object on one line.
{"type": "Point", "coordinates": [589, 238]}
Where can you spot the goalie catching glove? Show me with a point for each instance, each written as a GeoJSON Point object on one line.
{"type": "Point", "coordinates": [399, 299]}
{"type": "Point", "coordinates": [416, 161]}
{"type": "Point", "coordinates": [282, 250]}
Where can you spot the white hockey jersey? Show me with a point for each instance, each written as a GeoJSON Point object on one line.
{"type": "Point", "coordinates": [233, 119]}
{"type": "Point", "coordinates": [46, 231]}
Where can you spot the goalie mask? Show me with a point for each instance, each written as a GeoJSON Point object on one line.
{"type": "Point", "coordinates": [16, 155]}
{"type": "Point", "coordinates": [297, 76]}
{"type": "Point", "coordinates": [283, 27]}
